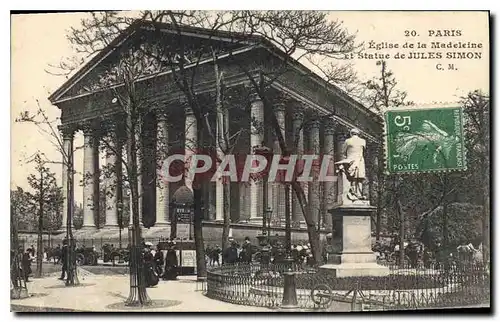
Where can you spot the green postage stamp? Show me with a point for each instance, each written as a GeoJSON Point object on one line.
{"type": "Point", "coordinates": [424, 139]}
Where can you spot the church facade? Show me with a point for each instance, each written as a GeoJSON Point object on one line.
{"type": "Point", "coordinates": [314, 116]}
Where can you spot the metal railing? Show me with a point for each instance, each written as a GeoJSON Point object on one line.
{"type": "Point", "coordinates": [411, 288]}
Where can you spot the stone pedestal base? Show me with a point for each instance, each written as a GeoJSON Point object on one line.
{"type": "Point", "coordinates": [89, 228]}
{"type": "Point", "coordinates": [355, 269]}
{"type": "Point", "coordinates": [161, 224]}
{"type": "Point", "coordinates": [352, 253]}
{"type": "Point", "coordinates": [255, 221]}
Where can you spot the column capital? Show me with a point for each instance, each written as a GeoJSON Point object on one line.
{"type": "Point", "coordinates": [297, 109]}
{"type": "Point", "coordinates": [329, 126]}
{"type": "Point", "coordinates": [161, 115]}
{"type": "Point", "coordinates": [341, 136]}
{"type": "Point", "coordinates": [67, 131]}
{"type": "Point", "coordinates": [91, 127]}
{"type": "Point", "coordinates": [254, 96]}
{"type": "Point", "coordinates": [279, 107]}
{"type": "Point", "coordinates": [87, 128]}
{"type": "Point", "coordinates": [188, 111]}
{"type": "Point", "coordinates": [313, 121]}
{"type": "Point", "coordinates": [280, 101]}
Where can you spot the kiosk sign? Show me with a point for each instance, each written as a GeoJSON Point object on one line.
{"type": "Point", "coordinates": [184, 214]}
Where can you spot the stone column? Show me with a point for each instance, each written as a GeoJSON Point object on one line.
{"type": "Point", "coordinates": [329, 188]}
{"type": "Point", "coordinates": [162, 187]}
{"type": "Point", "coordinates": [67, 161]}
{"type": "Point", "coordinates": [256, 139]}
{"type": "Point", "coordinates": [314, 146]}
{"type": "Point", "coordinates": [111, 185]}
{"type": "Point", "coordinates": [340, 137]}
{"type": "Point", "coordinates": [373, 154]}
{"type": "Point", "coordinates": [191, 140]}
{"type": "Point", "coordinates": [368, 179]}
{"type": "Point", "coordinates": [278, 188]}
{"type": "Point", "coordinates": [90, 160]}
{"type": "Point", "coordinates": [298, 143]}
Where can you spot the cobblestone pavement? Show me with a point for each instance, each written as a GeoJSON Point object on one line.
{"type": "Point", "coordinates": [100, 293]}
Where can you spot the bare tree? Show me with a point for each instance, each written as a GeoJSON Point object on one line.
{"type": "Point", "coordinates": [43, 198]}
{"type": "Point", "coordinates": [302, 34]}
{"type": "Point", "coordinates": [477, 110]}
{"type": "Point", "coordinates": [47, 128]}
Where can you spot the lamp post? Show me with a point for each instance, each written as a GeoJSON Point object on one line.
{"type": "Point", "coordinates": [289, 300]}
{"type": "Point", "coordinates": [266, 152]}
{"type": "Point", "coordinates": [267, 217]}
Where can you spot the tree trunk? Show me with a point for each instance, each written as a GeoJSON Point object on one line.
{"type": "Point", "coordinates": [380, 191]}
{"type": "Point", "coordinates": [401, 214]}
{"type": "Point", "coordinates": [72, 278]}
{"type": "Point", "coordinates": [198, 232]}
{"type": "Point", "coordinates": [138, 293]}
{"type": "Point", "coordinates": [401, 234]}
{"type": "Point", "coordinates": [39, 242]}
{"type": "Point", "coordinates": [312, 233]}
{"type": "Point", "coordinates": [445, 226]}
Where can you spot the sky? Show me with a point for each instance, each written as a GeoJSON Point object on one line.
{"type": "Point", "coordinates": [38, 40]}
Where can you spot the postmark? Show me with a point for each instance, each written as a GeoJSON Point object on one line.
{"type": "Point", "coordinates": [428, 139]}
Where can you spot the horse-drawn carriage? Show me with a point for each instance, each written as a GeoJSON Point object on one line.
{"type": "Point", "coordinates": [111, 254]}
{"type": "Point", "coordinates": [86, 256]}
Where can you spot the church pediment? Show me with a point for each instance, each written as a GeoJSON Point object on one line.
{"type": "Point", "coordinates": [145, 50]}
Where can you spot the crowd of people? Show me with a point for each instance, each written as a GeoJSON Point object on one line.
{"type": "Point", "coordinates": [417, 255]}
{"type": "Point", "coordinates": [234, 253]}
{"type": "Point", "coordinates": [160, 262]}
{"type": "Point", "coordinates": [246, 252]}
{"type": "Point", "coordinates": [21, 266]}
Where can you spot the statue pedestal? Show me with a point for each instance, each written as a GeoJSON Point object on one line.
{"type": "Point", "coordinates": [352, 254]}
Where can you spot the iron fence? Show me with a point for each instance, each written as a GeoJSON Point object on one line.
{"type": "Point", "coordinates": [319, 290]}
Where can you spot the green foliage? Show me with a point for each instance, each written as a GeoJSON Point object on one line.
{"type": "Point", "coordinates": [78, 216]}
{"type": "Point", "coordinates": [463, 225]}
{"type": "Point", "coordinates": [44, 198]}
{"type": "Point", "coordinates": [22, 209]}
{"type": "Point", "coordinates": [423, 196]}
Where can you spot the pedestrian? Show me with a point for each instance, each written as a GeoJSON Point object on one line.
{"type": "Point", "coordinates": [208, 255]}
{"type": "Point", "coordinates": [171, 263]}
{"type": "Point", "coordinates": [26, 264]}
{"type": "Point", "coordinates": [148, 258]}
{"type": "Point", "coordinates": [159, 260]}
{"type": "Point", "coordinates": [63, 258]}
{"type": "Point", "coordinates": [216, 254]}
{"type": "Point", "coordinates": [57, 254]}
{"type": "Point", "coordinates": [246, 252]}
{"type": "Point", "coordinates": [231, 254]}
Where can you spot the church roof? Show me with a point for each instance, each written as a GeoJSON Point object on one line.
{"type": "Point", "coordinates": [227, 37]}
{"type": "Point", "coordinates": [138, 25]}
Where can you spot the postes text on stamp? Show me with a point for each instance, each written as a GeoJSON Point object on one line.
{"type": "Point", "coordinates": [424, 140]}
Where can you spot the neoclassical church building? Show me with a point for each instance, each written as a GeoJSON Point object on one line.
{"type": "Point", "coordinates": [308, 108]}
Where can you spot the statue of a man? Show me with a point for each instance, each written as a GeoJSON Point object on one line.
{"type": "Point", "coordinates": [353, 164]}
